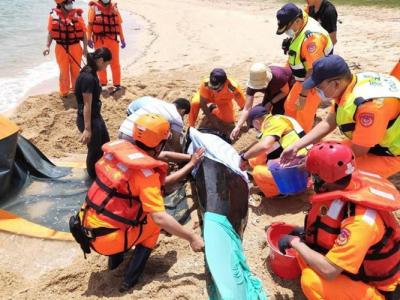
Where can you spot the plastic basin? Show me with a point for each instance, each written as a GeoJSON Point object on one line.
{"type": "Point", "coordinates": [290, 180]}
{"type": "Point", "coordinates": [283, 265]}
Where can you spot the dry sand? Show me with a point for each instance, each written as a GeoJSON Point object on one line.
{"type": "Point", "coordinates": [179, 42]}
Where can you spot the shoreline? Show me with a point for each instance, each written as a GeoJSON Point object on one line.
{"type": "Point", "coordinates": [135, 28]}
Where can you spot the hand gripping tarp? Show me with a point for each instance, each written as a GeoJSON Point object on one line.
{"type": "Point", "coordinates": [221, 191]}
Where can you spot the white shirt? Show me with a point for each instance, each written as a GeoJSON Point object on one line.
{"type": "Point", "coordinates": [146, 105]}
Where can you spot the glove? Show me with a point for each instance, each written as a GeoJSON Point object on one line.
{"type": "Point", "coordinates": [284, 242]}
{"type": "Point", "coordinates": [123, 44]}
{"type": "Point", "coordinates": [90, 44]}
{"type": "Point", "coordinates": [297, 231]}
{"type": "Point", "coordinates": [286, 44]}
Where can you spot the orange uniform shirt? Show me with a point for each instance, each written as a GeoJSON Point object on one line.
{"type": "Point", "coordinates": [372, 118]}
{"type": "Point", "coordinates": [146, 184]}
{"type": "Point", "coordinates": [312, 49]}
{"type": "Point", "coordinates": [230, 91]}
{"type": "Point", "coordinates": [91, 17]}
{"type": "Point", "coordinates": [358, 234]}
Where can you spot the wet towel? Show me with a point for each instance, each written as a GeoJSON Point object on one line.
{"type": "Point", "coordinates": [232, 278]}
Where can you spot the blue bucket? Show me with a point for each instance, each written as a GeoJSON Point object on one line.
{"type": "Point", "coordinates": [290, 180]}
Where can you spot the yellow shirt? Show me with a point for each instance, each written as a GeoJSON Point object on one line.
{"type": "Point", "coordinates": [284, 130]}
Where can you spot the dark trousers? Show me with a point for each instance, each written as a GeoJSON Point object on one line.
{"type": "Point", "coordinates": [278, 108]}
{"type": "Point", "coordinates": [98, 139]}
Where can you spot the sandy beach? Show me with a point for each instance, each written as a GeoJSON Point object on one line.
{"type": "Point", "coordinates": [178, 42]}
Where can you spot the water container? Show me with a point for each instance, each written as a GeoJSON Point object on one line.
{"type": "Point", "coordinates": [290, 180]}
{"type": "Point", "coordinates": [283, 265]}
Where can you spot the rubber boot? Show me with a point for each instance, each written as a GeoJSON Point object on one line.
{"type": "Point", "coordinates": [135, 268]}
{"type": "Point", "coordinates": [115, 260]}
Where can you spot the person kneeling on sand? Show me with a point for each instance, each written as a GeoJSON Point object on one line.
{"type": "Point", "coordinates": [124, 207]}
{"type": "Point", "coordinates": [276, 133]}
{"type": "Point", "coordinates": [214, 97]}
{"type": "Point", "coordinates": [174, 113]}
{"type": "Point", "coordinates": [350, 246]}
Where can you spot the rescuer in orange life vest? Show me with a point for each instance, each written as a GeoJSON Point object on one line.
{"type": "Point", "coordinates": [350, 246]}
{"type": "Point", "coordinates": [104, 30]}
{"type": "Point", "coordinates": [67, 27]}
{"type": "Point", "coordinates": [124, 207]}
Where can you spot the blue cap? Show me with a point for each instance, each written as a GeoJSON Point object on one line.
{"type": "Point", "coordinates": [255, 113]}
{"type": "Point", "coordinates": [285, 15]}
{"type": "Point", "coordinates": [217, 77]}
{"type": "Point", "coordinates": [327, 67]}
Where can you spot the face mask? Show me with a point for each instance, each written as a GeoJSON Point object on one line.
{"type": "Point", "coordinates": [68, 6]}
{"type": "Point", "coordinates": [290, 33]}
{"type": "Point", "coordinates": [322, 95]}
{"type": "Point", "coordinates": [105, 1]}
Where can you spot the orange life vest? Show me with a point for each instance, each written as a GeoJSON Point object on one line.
{"type": "Point", "coordinates": [66, 30]}
{"type": "Point", "coordinates": [106, 20]}
{"type": "Point", "coordinates": [111, 215]}
{"type": "Point", "coordinates": [381, 265]}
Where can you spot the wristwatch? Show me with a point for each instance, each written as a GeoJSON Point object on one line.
{"type": "Point", "coordinates": [242, 157]}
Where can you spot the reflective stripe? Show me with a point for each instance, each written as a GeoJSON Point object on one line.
{"type": "Point", "coordinates": [97, 11]}
{"type": "Point", "coordinates": [116, 142]}
{"type": "Point", "coordinates": [369, 216]}
{"type": "Point", "coordinates": [55, 16]}
{"type": "Point", "coordinates": [296, 126]}
{"type": "Point", "coordinates": [147, 172]}
{"type": "Point", "coordinates": [370, 174]}
{"type": "Point", "coordinates": [335, 209]}
{"type": "Point", "coordinates": [135, 155]}
{"type": "Point", "coordinates": [122, 167]}
{"type": "Point", "coordinates": [297, 67]}
{"type": "Point", "coordinates": [328, 50]}
{"type": "Point", "coordinates": [301, 79]}
{"type": "Point", "coordinates": [381, 194]}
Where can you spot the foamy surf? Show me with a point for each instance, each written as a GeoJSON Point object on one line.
{"type": "Point", "coordinates": [13, 90]}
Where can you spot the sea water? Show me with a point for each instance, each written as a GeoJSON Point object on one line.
{"type": "Point", "coordinates": [23, 36]}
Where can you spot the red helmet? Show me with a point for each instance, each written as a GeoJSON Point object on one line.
{"type": "Point", "coordinates": [330, 161]}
